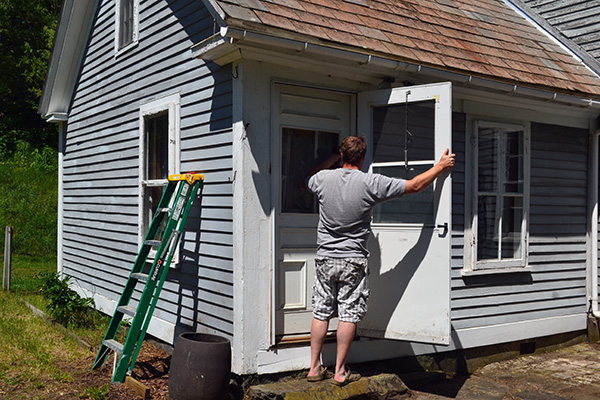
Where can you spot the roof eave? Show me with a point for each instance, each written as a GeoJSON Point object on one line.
{"type": "Point", "coordinates": [225, 47]}
{"type": "Point", "coordinates": [71, 37]}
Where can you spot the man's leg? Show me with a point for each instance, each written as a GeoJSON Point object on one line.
{"type": "Point", "coordinates": [318, 332]}
{"type": "Point", "coordinates": [345, 336]}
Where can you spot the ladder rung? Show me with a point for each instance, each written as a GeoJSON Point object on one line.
{"type": "Point", "coordinates": [140, 276]}
{"type": "Point", "coordinates": [153, 242]}
{"type": "Point", "coordinates": [114, 345]}
{"type": "Point", "coordinates": [164, 210]}
{"type": "Point", "coordinates": [127, 310]}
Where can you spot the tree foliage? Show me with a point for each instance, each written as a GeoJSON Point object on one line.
{"type": "Point", "coordinates": [26, 33]}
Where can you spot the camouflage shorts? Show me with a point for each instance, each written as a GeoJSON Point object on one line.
{"type": "Point", "coordinates": [341, 289]}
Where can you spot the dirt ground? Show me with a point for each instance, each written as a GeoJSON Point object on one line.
{"type": "Point", "coordinates": [569, 373]}
{"type": "Point", "coordinates": [151, 369]}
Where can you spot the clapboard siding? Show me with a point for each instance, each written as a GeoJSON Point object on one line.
{"type": "Point", "coordinates": [557, 245]}
{"type": "Point", "coordinates": [575, 19]}
{"type": "Point", "coordinates": [101, 162]}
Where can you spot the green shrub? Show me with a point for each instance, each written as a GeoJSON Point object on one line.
{"type": "Point", "coordinates": [65, 305]}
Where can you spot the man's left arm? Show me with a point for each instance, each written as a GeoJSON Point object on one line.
{"type": "Point", "coordinates": [421, 181]}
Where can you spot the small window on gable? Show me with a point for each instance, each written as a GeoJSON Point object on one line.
{"type": "Point", "coordinates": [126, 23]}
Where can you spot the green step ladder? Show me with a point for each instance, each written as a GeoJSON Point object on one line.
{"type": "Point", "coordinates": [185, 187]}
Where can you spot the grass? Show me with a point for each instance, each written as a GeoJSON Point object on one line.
{"type": "Point", "coordinates": [26, 270]}
{"type": "Point", "coordinates": [33, 352]}
{"type": "Point", "coordinates": [31, 349]}
{"type": "Point", "coordinates": [28, 200]}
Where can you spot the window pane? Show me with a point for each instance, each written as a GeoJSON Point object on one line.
{"type": "Point", "coordinates": [487, 156]}
{"type": "Point", "coordinates": [487, 230]}
{"type": "Point", "coordinates": [301, 151]}
{"type": "Point", "coordinates": [414, 209]}
{"type": "Point", "coordinates": [513, 159]}
{"type": "Point", "coordinates": [389, 128]}
{"type": "Point", "coordinates": [512, 216]}
{"type": "Point", "coordinates": [126, 22]}
{"type": "Point", "coordinates": [152, 196]}
{"type": "Point", "coordinates": [157, 146]}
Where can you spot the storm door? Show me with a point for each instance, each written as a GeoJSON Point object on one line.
{"type": "Point", "coordinates": [408, 130]}
{"type": "Point", "coordinates": [309, 125]}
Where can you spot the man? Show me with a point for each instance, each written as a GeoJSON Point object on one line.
{"type": "Point", "coordinates": [346, 200]}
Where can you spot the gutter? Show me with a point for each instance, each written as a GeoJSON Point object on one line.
{"type": "Point", "coordinates": [231, 39]}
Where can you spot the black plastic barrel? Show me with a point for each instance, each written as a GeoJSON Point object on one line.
{"type": "Point", "coordinates": [200, 367]}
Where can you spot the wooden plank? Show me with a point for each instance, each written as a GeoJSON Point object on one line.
{"type": "Point", "coordinates": [142, 390]}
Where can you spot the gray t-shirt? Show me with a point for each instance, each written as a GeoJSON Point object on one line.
{"type": "Point", "coordinates": [346, 199]}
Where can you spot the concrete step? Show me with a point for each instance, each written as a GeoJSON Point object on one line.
{"type": "Point", "coordinates": [377, 387]}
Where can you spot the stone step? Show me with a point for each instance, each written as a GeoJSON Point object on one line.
{"type": "Point", "coordinates": [377, 387]}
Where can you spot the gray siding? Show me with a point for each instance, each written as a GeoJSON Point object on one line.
{"type": "Point", "coordinates": [557, 249]}
{"type": "Point", "coordinates": [574, 20]}
{"type": "Point", "coordinates": [101, 162]}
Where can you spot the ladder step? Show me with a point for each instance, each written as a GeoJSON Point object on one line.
{"type": "Point", "coordinates": [114, 345]}
{"type": "Point", "coordinates": [140, 276]}
{"type": "Point", "coordinates": [127, 310]}
{"type": "Point", "coordinates": [153, 242]}
{"type": "Point", "coordinates": [164, 210]}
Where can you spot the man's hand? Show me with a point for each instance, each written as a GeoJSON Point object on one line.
{"type": "Point", "coordinates": [420, 182]}
{"type": "Point", "coordinates": [447, 161]}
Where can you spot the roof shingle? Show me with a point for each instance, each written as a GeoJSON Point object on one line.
{"type": "Point", "coordinates": [479, 37]}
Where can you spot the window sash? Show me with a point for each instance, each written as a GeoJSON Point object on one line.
{"type": "Point", "coordinates": [126, 21]}
{"type": "Point", "coordinates": [500, 196]}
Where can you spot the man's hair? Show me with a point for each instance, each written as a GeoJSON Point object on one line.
{"type": "Point", "coordinates": [353, 149]}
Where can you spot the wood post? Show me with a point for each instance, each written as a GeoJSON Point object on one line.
{"type": "Point", "coordinates": [8, 232]}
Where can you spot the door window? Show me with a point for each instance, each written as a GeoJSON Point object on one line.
{"type": "Point", "coordinates": [403, 148]}
{"type": "Point", "coordinates": [301, 151]}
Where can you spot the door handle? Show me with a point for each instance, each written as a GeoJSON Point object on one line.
{"type": "Point", "coordinates": [443, 226]}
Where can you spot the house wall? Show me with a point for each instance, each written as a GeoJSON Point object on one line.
{"type": "Point", "coordinates": [556, 285]}
{"type": "Point", "coordinates": [548, 299]}
{"type": "Point", "coordinates": [101, 165]}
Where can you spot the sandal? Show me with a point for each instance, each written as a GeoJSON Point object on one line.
{"type": "Point", "coordinates": [350, 377]}
{"type": "Point", "coordinates": [324, 374]}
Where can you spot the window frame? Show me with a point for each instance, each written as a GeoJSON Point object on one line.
{"type": "Point", "coordinates": [172, 105]}
{"type": "Point", "coordinates": [118, 26]}
{"type": "Point", "coordinates": [472, 266]}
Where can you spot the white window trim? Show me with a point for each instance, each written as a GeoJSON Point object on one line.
{"type": "Point", "coordinates": [172, 104]}
{"type": "Point", "coordinates": [136, 20]}
{"type": "Point", "coordinates": [471, 266]}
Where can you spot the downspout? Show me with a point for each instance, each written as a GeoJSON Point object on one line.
{"type": "Point", "coordinates": [594, 227]}
{"type": "Point", "coordinates": [62, 130]}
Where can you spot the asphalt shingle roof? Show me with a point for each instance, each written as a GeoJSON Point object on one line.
{"type": "Point", "coordinates": [480, 37]}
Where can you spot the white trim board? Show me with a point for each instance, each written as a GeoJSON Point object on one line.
{"type": "Point", "coordinates": [159, 328]}
{"type": "Point", "coordinates": [363, 350]}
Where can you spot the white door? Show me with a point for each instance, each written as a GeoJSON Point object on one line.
{"type": "Point", "coordinates": [410, 247]}
{"type": "Point", "coordinates": [309, 125]}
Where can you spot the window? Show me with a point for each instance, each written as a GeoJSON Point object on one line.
{"type": "Point", "coordinates": [301, 151]}
{"type": "Point", "coordinates": [500, 199]}
{"type": "Point", "coordinates": [159, 154]}
{"type": "Point", "coordinates": [390, 125]}
{"type": "Point", "coordinates": [126, 23]}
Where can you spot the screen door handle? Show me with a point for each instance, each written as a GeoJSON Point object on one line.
{"type": "Point", "coordinates": [443, 226]}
